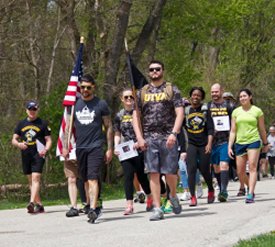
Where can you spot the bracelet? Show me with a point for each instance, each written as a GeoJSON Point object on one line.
{"type": "Point", "coordinates": [265, 144]}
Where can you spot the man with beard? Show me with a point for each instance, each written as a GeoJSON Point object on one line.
{"type": "Point", "coordinates": [162, 114]}
{"type": "Point", "coordinates": [90, 114]}
{"type": "Point", "coordinates": [221, 111]}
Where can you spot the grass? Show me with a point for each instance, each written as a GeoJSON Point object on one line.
{"type": "Point", "coordinates": [56, 196]}
{"type": "Point", "coordinates": [264, 240]}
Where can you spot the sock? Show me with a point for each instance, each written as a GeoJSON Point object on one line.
{"type": "Point", "coordinates": [218, 177]}
{"type": "Point", "coordinates": [224, 180]}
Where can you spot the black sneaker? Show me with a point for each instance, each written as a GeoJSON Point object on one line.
{"type": "Point", "coordinates": [30, 208]}
{"type": "Point", "coordinates": [72, 212]}
{"type": "Point", "coordinates": [93, 215]}
{"type": "Point", "coordinates": [85, 209]}
{"type": "Point", "coordinates": [39, 209]}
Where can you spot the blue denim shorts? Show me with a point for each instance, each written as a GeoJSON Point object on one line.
{"type": "Point", "coordinates": [220, 153]}
{"type": "Point", "coordinates": [159, 159]}
{"type": "Point", "coordinates": [241, 149]}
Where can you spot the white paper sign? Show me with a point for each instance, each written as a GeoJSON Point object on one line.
{"type": "Point", "coordinates": [40, 146]}
{"type": "Point", "coordinates": [221, 123]}
{"type": "Point", "coordinates": [72, 155]}
{"type": "Point", "coordinates": [126, 150]}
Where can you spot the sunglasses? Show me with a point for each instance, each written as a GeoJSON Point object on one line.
{"type": "Point", "coordinates": [128, 97]}
{"type": "Point", "coordinates": [32, 109]}
{"type": "Point", "coordinates": [155, 69]}
{"type": "Point", "coordinates": [86, 87]}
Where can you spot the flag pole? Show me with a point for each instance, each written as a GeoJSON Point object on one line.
{"type": "Point", "coordinates": [72, 110]}
{"type": "Point", "coordinates": [132, 84]}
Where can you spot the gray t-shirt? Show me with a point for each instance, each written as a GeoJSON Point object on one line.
{"type": "Point", "coordinates": [88, 122]}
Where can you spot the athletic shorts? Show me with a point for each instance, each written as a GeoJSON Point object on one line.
{"type": "Point", "coordinates": [159, 159]}
{"type": "Point", "coordinates": [32, 162]}
{"type": "Point", "coordinates": [220, 154]}
{"type": "Point", "coordinates": [70, 168]}
{"type": "Point", "coordinates": [241, 149]}
{"type": "Point", "coordinates": [90, 162]}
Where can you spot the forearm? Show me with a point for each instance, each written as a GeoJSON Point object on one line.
{"type": "Point", "coordinates": [231, 140]}
{"type": "Point", "coordinates": [117, 139]}
{"type": "Point", "coordinates": [48, 143]}
{"type": "Point", "coordinates": [178, 120]}
{"type": "Point", "coordinates": [137, 125]}
{"type": "Point", "coordinates": [210, 140]}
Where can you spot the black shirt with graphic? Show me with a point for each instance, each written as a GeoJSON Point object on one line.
{"type": "Point", "coordinates": [158, 111]}
{"type": "Point", "coordinates": [88, 122]}
{"type": "Point", "coordinates": [223, 109]}
{"type": "Point", "coordinates": [199, 125]}
{"type": "Point", "coordinates": [123, 123]}
{"type": "Point", "coordinates": [30, 131]}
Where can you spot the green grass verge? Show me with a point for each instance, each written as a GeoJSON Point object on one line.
{"type": "Point", "coordinates": [264, 240]}
{"type": "Point", "coordinates": [57, 196]}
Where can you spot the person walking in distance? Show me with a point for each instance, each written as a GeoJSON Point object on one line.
{"type": "Point", "coordinates": [271, 151]}
{"type": "Point", "coordinates": [160, 105]}
{"type": "Point", "coordinates": [32, 136]}
{"type": "Point", "coordinates": [90, 114]}
{"type": "Point", "coordinates": [248, 129]}
{"type": "Point", "coordinates": [221, 111]}
{"type": "Point", "coordinates": [124, 132]}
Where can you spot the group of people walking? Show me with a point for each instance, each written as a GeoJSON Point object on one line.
{"type": "Point", "coordinates": [154, 132]}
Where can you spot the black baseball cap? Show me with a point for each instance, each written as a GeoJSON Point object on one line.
{"type": "Point", "coordinates": [32, 104]}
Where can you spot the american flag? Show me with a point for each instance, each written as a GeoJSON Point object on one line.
{"type": "Point", "coordinates": [71, 95]}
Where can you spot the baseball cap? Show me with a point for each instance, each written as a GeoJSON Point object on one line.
{"type": "Point", "coordinates": [228, 95]}
{"type": "Point", "coordinates": [32, 104]}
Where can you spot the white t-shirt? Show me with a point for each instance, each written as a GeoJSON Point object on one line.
{"type": "Point", "coordinates": [271, 140]}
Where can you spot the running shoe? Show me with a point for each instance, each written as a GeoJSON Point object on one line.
{"type": "Point", "coordinates": [149, 204]}
{"type": "Point", "coordinates": [93, 215]}
{"type": "Point", "coordinates": [39, 209]}
{"type": "Point", "coordinates": [185, 196]}
{"type": "Point", "coordinates": [30, 208]}
{"type": "Point", "coordinates": [157, 215]}
{"type": "Point", "coordinates": [141, 197]}
{"type": "Point", "coordinates": [175, 205]}
{"type": "Point", "coordinates": [199, 190]}
{"type": "Point", "coordinates": [249, 198]}
{"type": "Point", "coordinates": [193, 201]}
{"type": "Point", "coordinates": [72, 212]}
{"type": "Point", "coordinates": [163, 201]}
{"type": "Point", "coordinates": [86, 209]}
{"type": "Point", "coordinates": [222, 197]}
{"type": "Point", "coordinates": [168, 207]}
{"type": "Point", "coordinates": [241, 192]}
{"type": "Point", "coordinates": [128, 210]}
{"type": "Point", "coordinates": [211, 197]}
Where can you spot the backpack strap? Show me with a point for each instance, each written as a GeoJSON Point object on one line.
{"type": "Point", "coordinates": [169, 90]}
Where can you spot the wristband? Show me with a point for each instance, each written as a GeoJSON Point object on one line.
{"type": "Point", "coordinates": [265, 144]}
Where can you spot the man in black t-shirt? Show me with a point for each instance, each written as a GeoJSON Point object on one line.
{"type": "Point", "coordinates": [32, 136]}
{"type": "Point", "coordinates": [90, 114]}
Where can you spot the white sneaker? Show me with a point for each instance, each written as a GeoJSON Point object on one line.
{"type": "Point", "coordinates": [185, 196]}
{"type": "Point", "coordinates": [199, 191]}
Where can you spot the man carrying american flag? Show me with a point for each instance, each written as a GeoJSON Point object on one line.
{"type": "Point", "coordinates": [89, 114]}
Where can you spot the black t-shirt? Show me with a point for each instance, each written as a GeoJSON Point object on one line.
{"type": "Point", "coordinates": [88, 122]}
{"type": "Point", "coordinates": [30, 131]}
{"type": "Point", "coordinates": [123, 123]}
{"type": "Point", "coordinates": [199, 125]}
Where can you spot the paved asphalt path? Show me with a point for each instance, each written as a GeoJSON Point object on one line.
{"type": "Point", "coordinates": [218, 224]}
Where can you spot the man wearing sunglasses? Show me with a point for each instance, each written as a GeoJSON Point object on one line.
{"type": "Point", "coordinates": [90, 114]}
{"type": "Point", "coordinates": [28, 133]}
{"type": "Point", "coordinates": [162, 117]}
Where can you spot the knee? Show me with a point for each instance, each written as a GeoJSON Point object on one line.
{"type": "Point", "coordinates": [72, 180]}
{"type": "Point", "coordinates": [36, 178]}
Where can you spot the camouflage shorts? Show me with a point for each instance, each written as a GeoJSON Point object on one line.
{"type": "Point", "coordinates": [159, 159]}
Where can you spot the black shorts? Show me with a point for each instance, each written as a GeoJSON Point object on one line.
{"type": "Point", "coordinates": [32, 162]}
{"type": "Point", "coordinates": [90, 162]}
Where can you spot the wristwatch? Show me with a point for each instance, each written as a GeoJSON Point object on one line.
{"type": "Point", "coordinates": [174, 133]}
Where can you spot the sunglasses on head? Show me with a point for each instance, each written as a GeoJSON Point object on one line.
{"type": "Point", "coordinates": [155, 69]}
{"type": "Point", "coordinates": [86, 87]}
{"type": "Point", "coordinates": [128, 97]}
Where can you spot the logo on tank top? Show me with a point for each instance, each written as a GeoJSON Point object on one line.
{"type": "Point", "coordinates": [85, 116]}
